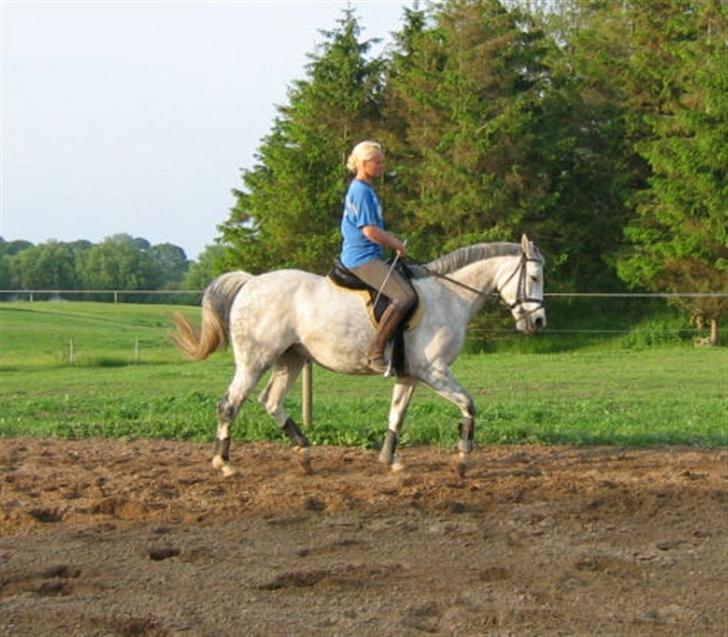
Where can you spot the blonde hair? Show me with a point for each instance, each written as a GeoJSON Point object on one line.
{"type": "Point", "coordinates": [363, 151]}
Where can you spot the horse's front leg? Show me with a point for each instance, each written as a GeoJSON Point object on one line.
{"type": "Point", "coordinates": [401, 396]}
{"type": "Point", "coordinates": [441, 381]}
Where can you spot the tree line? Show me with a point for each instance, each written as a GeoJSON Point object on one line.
{"type": "Point", "coordinates": [600, 127]}
{"type": "Point", "coordinates": [119, 262]}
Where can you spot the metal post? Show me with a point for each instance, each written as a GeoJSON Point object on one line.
{"type": "Point", "coordinates": [307, 406]}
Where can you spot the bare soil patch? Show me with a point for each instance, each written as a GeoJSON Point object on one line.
{"type": "Point", "coordinates": [143, 538]}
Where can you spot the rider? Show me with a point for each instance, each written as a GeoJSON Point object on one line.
{"type": "Point", "coordinates": [364, 236]}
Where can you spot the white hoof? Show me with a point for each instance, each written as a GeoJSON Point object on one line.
{"type": "Point", "coordinates": [397, 466]}
{"type": "Point", "coordinates": [228, 470]}
{"type": "Point", "coordinates": [461, 464]}
{"type": "Point", "coordinates": [218, 462]}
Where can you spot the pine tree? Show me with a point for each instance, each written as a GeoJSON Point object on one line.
{"type": "Point", "coordinates": [462, 93]}
{"type": "Point", "coordinates": [680, 235]}
{"type": "Point", "coordinates": [288, 213]}
{"type": "Point", "coordinates": [585, 143]}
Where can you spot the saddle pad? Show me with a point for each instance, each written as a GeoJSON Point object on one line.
{"type": "Point", "coordinates": [410, 324]}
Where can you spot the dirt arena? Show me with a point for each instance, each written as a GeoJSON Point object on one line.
{"type": "Point", "coordinates": [142, 538]}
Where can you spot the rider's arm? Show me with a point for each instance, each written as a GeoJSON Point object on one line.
{"type": "Point", "coordinates": [382, 237]}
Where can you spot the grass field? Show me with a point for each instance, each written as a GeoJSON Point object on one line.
{"type": "Point", "coordinates": [127, 380]}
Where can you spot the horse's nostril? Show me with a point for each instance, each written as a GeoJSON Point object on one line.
{"type": "Point", "coordinates": [539, 322]}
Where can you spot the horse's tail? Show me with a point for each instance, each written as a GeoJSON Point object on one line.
{"type": "Point", "coordinates": [216, 304]}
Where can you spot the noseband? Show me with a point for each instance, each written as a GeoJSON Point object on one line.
{"type": "Point", "coordinates": [521, 292]}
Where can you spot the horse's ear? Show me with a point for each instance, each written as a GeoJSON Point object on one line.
{"type": "Point", "coordinates": [525, 244]}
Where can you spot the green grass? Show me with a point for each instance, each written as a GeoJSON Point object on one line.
{"type": "Point", "coordinates": [672, 394]}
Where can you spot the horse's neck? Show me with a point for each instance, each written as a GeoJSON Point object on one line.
{"type": "Point", "coordinates": [482, 276]}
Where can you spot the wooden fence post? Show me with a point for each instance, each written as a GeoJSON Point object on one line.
{"type": "Point", "coordinates": [307, 406]}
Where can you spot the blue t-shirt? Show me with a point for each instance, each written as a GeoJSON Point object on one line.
{"type": "Point", "coordinates": [361, 208]}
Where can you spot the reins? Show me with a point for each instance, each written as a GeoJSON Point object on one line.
{"type": "Point", "coordinates": [520, 300]}
{"type": "Point", "coordinates": [451, 280]}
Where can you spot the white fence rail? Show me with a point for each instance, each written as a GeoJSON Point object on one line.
{"type": "Point", "coordinates": [116, 294]}
{"type": "Point", "coordinates": [30, 295]}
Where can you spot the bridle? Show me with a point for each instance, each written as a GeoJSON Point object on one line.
{"type": "Point", "coordinates": [521, 292]}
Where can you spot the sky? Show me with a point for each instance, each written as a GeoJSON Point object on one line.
{"type": "Point", "coordinates": [138, 117]}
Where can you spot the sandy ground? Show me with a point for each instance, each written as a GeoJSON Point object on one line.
{"type": "Point", "coordinates": [143, 538]}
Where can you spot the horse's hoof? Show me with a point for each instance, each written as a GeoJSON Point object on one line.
{"type": "Point", "coordinates": [218, 462]}
{"type": "Point", "coordinates": [228, 471]}
{"type": "Point", "coordinates": [397, 466]}
{"type": "Point", "coordinates": [461, 465]}
{"type": "Point", "coordinates": [303, 456]}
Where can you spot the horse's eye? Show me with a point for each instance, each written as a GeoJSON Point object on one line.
{"type": "Point", "coordinates": [534, 278]}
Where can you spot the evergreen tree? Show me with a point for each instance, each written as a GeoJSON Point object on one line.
{"type": "Point", "coordinates": [463, 95]}
{"type": "Point", "coordinates": [585, 143]}
{"type": "Point", "coordinates": [680, 235]}
{"type": "Point", "coordinates": [289, 212]}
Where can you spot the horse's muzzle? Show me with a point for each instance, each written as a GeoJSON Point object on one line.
{"type": "Point", "coordinates": [532, 322]}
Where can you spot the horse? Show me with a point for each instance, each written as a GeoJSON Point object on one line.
{"type": "Point", "coordinates": [281, 319]}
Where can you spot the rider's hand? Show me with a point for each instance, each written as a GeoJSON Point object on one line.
{"type": "Point", "coordinates": [400, 247]}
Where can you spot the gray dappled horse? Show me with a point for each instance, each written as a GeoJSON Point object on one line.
{"type": "Point", "coordinates": [281, 319]}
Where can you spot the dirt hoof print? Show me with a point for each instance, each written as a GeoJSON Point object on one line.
{"type": "Point", "coordinates": [451, 506]}
{"type": "Point", "coordinates": [314, 504]}
{"type": "Point", "coordinates": [62, 571]}
{"type": "Point", "coordinates": [295, 579]}
{"type": "Point", "coordinates": [493, 574]}
{"type": "Point", "coordinates": [47, 516]}
{"type": "Point", "coordinates": [163, 553]}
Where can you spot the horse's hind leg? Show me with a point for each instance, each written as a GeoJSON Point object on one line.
{"type": "Point", "coordinates": [285, 371]}
{"type": "Point", "coordinates": [227, 410]}
{"type": "Point", "coordinates": [401, 396]}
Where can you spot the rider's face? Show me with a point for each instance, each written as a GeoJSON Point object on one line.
{"type": "Point", "coordinates": [374, 167]}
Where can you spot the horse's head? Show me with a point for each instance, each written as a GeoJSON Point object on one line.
{"type": "Point", "coordinates": [521, 289]}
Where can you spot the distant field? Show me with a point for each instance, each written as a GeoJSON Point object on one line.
{"type": "Point", "coordinates": [128, 381]}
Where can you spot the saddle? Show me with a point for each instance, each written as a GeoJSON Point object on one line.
{"type": "Point", "coordinates": [341, 276]}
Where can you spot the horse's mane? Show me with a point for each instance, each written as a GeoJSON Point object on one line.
{"type": "Point", "coordinates": [465, 256]}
